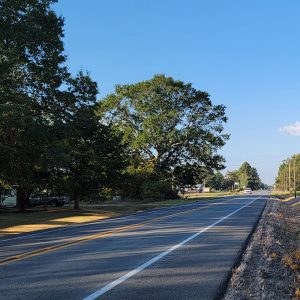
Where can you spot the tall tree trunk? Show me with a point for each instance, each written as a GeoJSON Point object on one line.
{"type": "Point", "coordinates": [22, 198]}
{"type": "Point", "coordinates": [76, 199]}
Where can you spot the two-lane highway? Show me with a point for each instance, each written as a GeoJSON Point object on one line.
{"type": "Point", "coordinates": [183, 252]}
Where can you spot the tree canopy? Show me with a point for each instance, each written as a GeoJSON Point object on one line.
{"type": "Point", "coordinates": [168, 123]}
{"type": "Point", "coordinates": [48, 129]}
{"type": "Point", "coordinates": [288, 175]}
{"type": "Point", "coordinates": [245, 176]}
{"type": "Point", "coordinates": [147, 138]}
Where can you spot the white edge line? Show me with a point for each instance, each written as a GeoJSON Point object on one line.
{"type": "Point", "coordinates": [140, 268]}
{"type": "Point", "coordinates": [97, 222]}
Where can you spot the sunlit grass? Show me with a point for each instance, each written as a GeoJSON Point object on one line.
{"type": "Point", "coordinates": [208, 195]}
{"type": "Point", "coordinates": [283, 194]}
{"type": "Point", "coordinates": [15, 223]}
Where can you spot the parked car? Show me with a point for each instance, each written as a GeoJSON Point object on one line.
{"type": "Point", "coordinates": [49, 199]}
{"type": "Point", "coordinates": [247, 191]}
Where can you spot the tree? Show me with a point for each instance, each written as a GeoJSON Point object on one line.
{"type": "Point", "coordinates": [254, 180]}
{"type": "Point", "coordinates": [32, 105]}
{"type": "Point", "coordinates": [244, 174]}
{"type": "Point", "coordinates": [248, 176]}
{"type": "Point", "coordinates": [230, 178]}
{"type": "Point", "coordinates": [95, 154]}
{"type": "Point", "coordinates": [168, 123]}
{"type": "Point", "coordinates": [216, 181]}
{"type": "Point", "coordinates": [287, 167]}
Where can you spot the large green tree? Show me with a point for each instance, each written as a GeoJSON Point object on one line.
{"type": "Point", "coordinates": [32, 105]}
{"type": "Point", "coordinates": [169, 124]}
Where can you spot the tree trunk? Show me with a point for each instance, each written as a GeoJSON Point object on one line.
{"type": "Point", "coordinates": [76, 200]}
{"type": "Point", "coordinates": [22, 198]}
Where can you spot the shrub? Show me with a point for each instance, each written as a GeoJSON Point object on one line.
{"type": "Point", "coordinates": [157, 190]}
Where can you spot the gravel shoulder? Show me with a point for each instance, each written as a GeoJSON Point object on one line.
{"type": "Point", "coordinates": [269, 268]}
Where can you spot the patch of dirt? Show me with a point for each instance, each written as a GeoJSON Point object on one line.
{"type": "Point", "coordinates": [270, 266]}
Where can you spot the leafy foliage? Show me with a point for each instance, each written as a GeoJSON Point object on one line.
{"type": "Point", "coordinates": [216, 181]}
{"type": "Point", "coordinates": [246, 176]}
{"type": "Point", "coordinates": [49, 136]}
{"type": "Point", "coordinates": [168, 124]}
{"type": "Point", "coordinates": [146, 138]}
{"type": "Point", "coordinates": [32, 109]}
{"type": "Point", "coordinates": [285, 179]}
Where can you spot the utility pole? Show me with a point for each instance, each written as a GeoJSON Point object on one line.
{"type": "Point", "coordinates": [284, 180]}
{"type": "Point", "coordinates": [287, 178]}
{"type": "Point", "coordinates": [295, 185]}
{"type": "Point", "coordinates": [289, 189]}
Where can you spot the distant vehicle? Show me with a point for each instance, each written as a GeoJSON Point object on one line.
{"type": "Point", "coordinates": [247, 191]}
{"type": "Point", "coordinates": [50, 199]}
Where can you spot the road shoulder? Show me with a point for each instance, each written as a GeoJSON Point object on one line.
{"type": "Point", "coordinates": [269, 268]}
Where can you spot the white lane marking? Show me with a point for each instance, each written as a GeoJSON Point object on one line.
{"type": "Point", "coordinates": [112, 219]}
{"type": "Point", "coordinates": [123, 278]}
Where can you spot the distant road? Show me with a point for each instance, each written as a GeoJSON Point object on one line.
{"type": "Point", "coordinates": [182, 252]}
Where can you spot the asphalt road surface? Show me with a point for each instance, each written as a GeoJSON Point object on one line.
{"type": "Point", "coordinates": [182, 252]}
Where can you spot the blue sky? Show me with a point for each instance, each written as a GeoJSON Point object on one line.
{"type": "Point", "coordinates": [246, 54]}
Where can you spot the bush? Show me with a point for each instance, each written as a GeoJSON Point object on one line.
{"type": "Point", "coordinates": [106, 194]}
{"type": "Point", "coordinates": [157, 190]}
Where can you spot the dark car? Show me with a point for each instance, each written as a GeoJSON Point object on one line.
{"type": "Point", "coordinates": [50, 199]}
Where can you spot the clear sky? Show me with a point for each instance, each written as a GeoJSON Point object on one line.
{"type": "Point", "coordinates": [246, 54]}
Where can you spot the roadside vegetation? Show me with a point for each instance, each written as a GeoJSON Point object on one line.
{"type": "Point", "coordinates": [245, 176]}
{"type": "Point", "coordinates": [143, 141]}
{"type": "Point", "coordinates": [147, 141]}
{"type": "Point", "coordinates": [270, 265]}
{"type": "Point", "coordinates": [287, 183]}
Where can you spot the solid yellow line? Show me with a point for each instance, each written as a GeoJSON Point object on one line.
{"type": "Point", "coordinates": [90, 237]}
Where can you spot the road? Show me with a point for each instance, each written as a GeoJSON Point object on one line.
{"type": "Point", "coordinates": [182, 252]}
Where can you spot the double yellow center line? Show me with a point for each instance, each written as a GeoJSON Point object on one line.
{"type": "Point", "coordinates": [86, 238]}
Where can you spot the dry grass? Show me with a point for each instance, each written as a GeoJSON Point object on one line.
{"type": "Point", "coordinates": [284, 194]}
{"type": "Point", "coordinates": [208, 195]}
{"type": "Point", "coordinates": [271, 263]}
{"type": "Point", "coordinates": [15, 223]}
{"type": "Point", "coordinates": [289, 262]}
